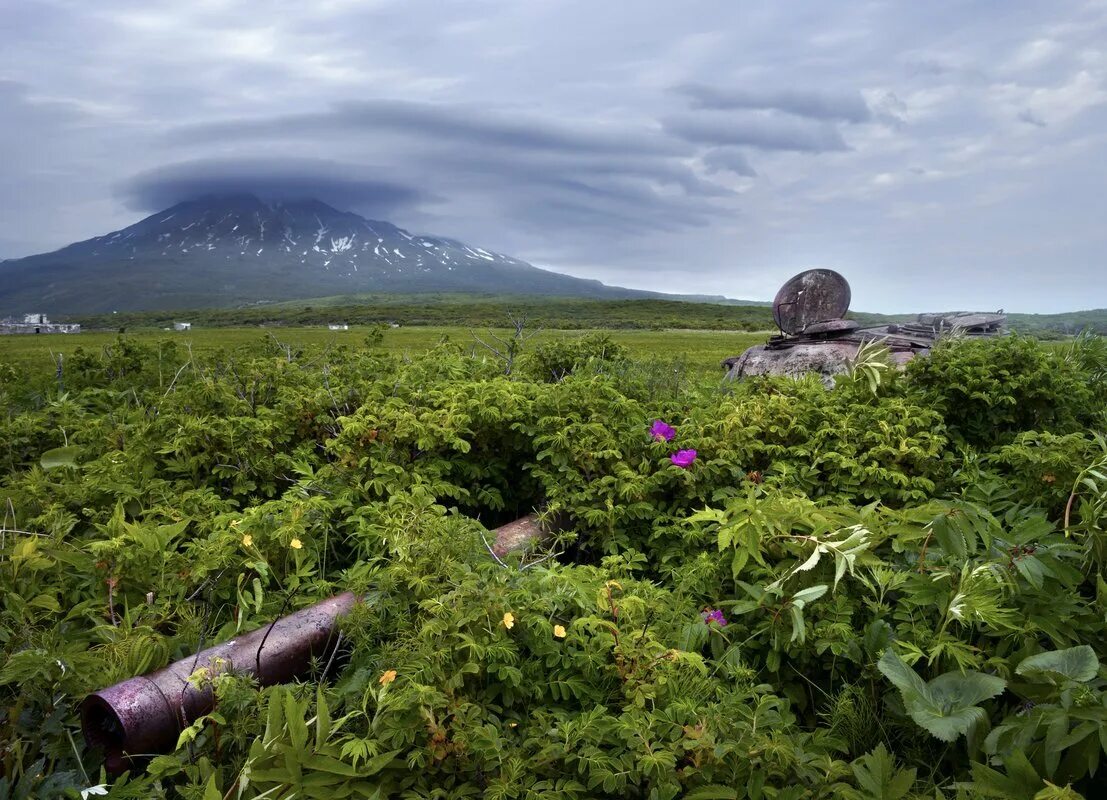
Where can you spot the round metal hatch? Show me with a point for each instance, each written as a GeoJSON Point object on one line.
{"type": "Point", "coordinates": [817, 295]}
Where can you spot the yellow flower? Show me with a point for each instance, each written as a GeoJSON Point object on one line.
{"type": "Point", "coordinates": [559, 631]}
{"type": "Point", "coordinates": [247, 540]}
{"type": "Point", "coordinates": [235, 523]}
{"type": "Point", "coordinates": [387, 677]}
{"type": "Point", "coordinates": [509, 620]}
{"type": "Point", "coordinates": [295, 544]}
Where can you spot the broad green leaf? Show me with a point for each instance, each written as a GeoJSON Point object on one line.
{"type": "Point", "coordinates": [902, 676]}
{"type": "Point", "coordinates": [59, 457]}
{"type": "Point", "coordinates": [946, 707]}
{"type": "Point", "coordinates": [1074, 664]}
{"type": "Point", "coordinates": [211, 791]}
{"type": "Point", "coordinates": [958, 689]}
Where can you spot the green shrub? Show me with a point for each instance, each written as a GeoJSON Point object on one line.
{"type": "Point", "coordinates": [864, 592]}
{"type": "Point", "coordinates": [990, 390]}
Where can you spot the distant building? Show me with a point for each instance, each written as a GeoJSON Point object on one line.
{"type": "Point", "coordinates": [36, 323]}
{"type": "Point", "coordinates": [182, 326]}
{"type": "Point", "coordinates": [338, 326]}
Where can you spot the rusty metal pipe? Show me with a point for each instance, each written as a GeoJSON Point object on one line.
{"type": "Point", "coordinates": [519, 536]}
{"type": "Point", "coordinates": [145, 715]}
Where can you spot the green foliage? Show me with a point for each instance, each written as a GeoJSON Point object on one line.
{"type": "Point", "coordinates": [989, 391]}
{"type": "Point", "coordinates": [867, 592]}
{"type": "Point", "coordinates": [946, 706]}
{"type": "Point", "coordinates": [556, 360]}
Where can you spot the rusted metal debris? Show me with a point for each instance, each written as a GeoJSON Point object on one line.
{"type": "Point", "coordinates": [145, 715]}
{"type": "Point", "coordinates": [815, 338]}
{"type": "Point", "coordinates": [519, 535]}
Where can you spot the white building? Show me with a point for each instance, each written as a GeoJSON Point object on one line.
{"type": "Point", "coordinates": [37, 323]}
{"type": "Point", "coordinates": [338, 326]}
{"type": "Point", "coordinates": [182, 326]}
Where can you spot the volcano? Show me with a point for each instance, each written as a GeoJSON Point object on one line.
{"type": "Point", "coordinates": [221, 251]}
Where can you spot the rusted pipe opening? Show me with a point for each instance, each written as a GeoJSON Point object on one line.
{"type": "Point", "coordinates": [104, 731]}
{"type": "Point", "coordinates": [144, 715]}
{"type": "Point", "coordinates": [102, 726]}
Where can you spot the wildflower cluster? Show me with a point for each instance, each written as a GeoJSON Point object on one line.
{"type": "Point", "coordinates": [662, 431]}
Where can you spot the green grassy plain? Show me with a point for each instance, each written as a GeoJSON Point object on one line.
{"type": "Point", "coordinates": [701, 350]}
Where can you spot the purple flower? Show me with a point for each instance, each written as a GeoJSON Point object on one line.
{"type": "Point", "coordinates": [713, 615]}
{"type": "Point", "coordinates": [683, 458]}
{"type": "Point", "coordinates": [662, 431]}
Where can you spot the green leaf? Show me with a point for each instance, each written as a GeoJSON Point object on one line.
{"type": "Point", "coordinates": [877, 774]}
{"type": "Point", "coordinates": [59, 457]}
{"type": "Point", "coordinates": [329, 764]}
{"type": "Point", "coordinates": [946, 707]}
{"type": "Point", "coordinates": [965, 689]}
{"type": "Point", "coordinates": [211, 791]}
{"type": "Point", "coordinates": [1074, 664]}
{"type": "Point", "coordinates": [377, 763]}
{"type": "Point", "coordinates": [902, 676]}
{"type": "Point", "coordinates": [712, 792]}
{"type": "Point", "coordinates": [805, 596]}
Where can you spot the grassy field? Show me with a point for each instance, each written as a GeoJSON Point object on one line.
{"type": "Point", "coordinates": [701, 349]}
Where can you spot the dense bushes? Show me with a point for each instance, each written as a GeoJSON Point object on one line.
{"type": "Point", "coordinates": [989, 390]}
{"type": "Point", "coordinates": [886, 590]}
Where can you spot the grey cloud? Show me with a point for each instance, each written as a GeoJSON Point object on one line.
{"type": "Point", "coordinates": [341, 185]}
{"type": "Point", "coordinates": [765, 132]}
{"type": "Point", "coordinates": [551, 131]}
{"type": "Point", "coordinates": [479, 126]}
{"type": "Point", "coordinates": [728, 159]}
{"type": "Point", "coordinates": [528, 170]}
{"type": "Point", "coordinates": [1030, 118]}
{"type": "Point", "coordinates": [844, 107]}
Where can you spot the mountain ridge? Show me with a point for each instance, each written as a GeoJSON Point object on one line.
{"type": "Point", "coordinates": [229, 250]}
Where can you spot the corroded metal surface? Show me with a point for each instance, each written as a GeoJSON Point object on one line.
{"type": "Point", "coordinates": [816, 339]}
{"type": "Point", "coordinates": [817, 295]}
{"type": "Point", "coordinates": [145, 715]}
{"type": "Point", "coordinates": [831, 327]}
{"type": "Point", "coordinates": [524, 533]}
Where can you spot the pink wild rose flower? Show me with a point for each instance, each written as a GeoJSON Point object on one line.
{"type": "Point", "coordinates": [683, 458]}
{"type": "Point", "coordinates": [662, 431]}
{"type": "Point", "coordinates": [713, 615]}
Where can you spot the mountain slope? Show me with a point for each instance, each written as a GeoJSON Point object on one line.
{"type": "Point", "coordinates": [226, 251]}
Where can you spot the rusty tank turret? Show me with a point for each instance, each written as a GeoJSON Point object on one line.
{"type": "Point", "coordinates": [815, 337]}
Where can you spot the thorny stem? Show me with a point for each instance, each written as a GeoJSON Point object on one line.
{"type": "Point", "coordinates": [922, 552]}
{"type": "Point", "coordinates": [111, 601]}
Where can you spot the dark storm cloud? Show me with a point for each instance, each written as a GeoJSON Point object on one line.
{"type": "Point", "coordinates": [764, 132]}
{"type": "Point", "coordinates": [844, 107]}
{"type": "Point", "coordinates": [477, 126]}
{"type": "Point", "coordinates": [340, 185]}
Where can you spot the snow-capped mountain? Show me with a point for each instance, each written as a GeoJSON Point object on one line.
{"type": "Point", "coordinates": [219, 251]}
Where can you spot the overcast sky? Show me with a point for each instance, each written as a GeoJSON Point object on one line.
{"type": "Point", "coordinates": [940, 154]}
